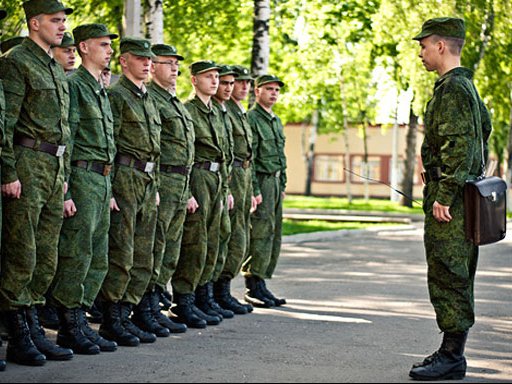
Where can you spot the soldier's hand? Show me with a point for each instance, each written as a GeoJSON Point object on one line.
{"type": "Point", "coordinates": [113, 205]}
{"type": "Point", "coordinates": [69, 208]}
{"type": "Point", "coordinates": [231, 202]}
{"type": "Point", "coordinates": [66, 187]}
{"type": "Point", "coordinates": [441, 213]}
{"type": "Point", "coordinates": [192, 205]}
{"type": "Point", "coordinates": [254, 205]}
{"type": "Point", "coordinates": [259, 199]}
{"type": "Point", "coordinates": [157, 199]}
{"type": "Point", "coordinates": [12, 190]}
{"type": "Point", "coordinates": [283, 195]}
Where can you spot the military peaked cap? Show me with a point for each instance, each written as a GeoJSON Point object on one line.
{"type": "Point", "coordinates": [166, 50]}
{"type": "Point", "coordinates": [442, 26]}
{"type": "Point", "coordinates": [49, 7]}
{"type": "Point", "coordinates": [136, 46]}
{"type": "Point", "coordinates": [7, 44]}
{"type": "Point", "coordinates": [265, 79]}
{"type": "Point", "coordinates": [67, 41]}
{"type": "Point", "coordinates": [203, 66]}
{"type": "Point", "coordinates": [226, 70]}
{"type": "Point", "coordinates": [243, 73]}
{"type": "Point", "coordinates": [92, 31]}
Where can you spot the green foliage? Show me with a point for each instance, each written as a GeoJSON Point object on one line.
{"type": "Point", "coordinates": [294, 227]}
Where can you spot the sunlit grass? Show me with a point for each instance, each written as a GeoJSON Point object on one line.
{"type": "Point", "coordinates": [293, 227]}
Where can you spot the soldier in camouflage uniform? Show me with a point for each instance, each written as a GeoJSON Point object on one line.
{"type": "Point", "coordinates": [134, 205]}
{"type": "Point", "coordinates": [200, 243]}
{"type": "Point", "coordinates": [269, 183]}
{"type": "Point", "coordinates": [177, 157]}
{"type": "Point", "coordinates": [457, 127]}
{"type": "Point", "coordinates": [33, 186]}
{"type": "Point", "coordinates": [83, 246]}
{"type": "Point", "coordinates": [241, 188]}
{"type": "Point", "coordinates": [65, 53]}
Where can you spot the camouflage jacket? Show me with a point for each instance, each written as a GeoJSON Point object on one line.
{"type": "Point", "coordinates": [90, 120]}
{"type": "Point", "coordinates": [268, 145]}
{"type": "Point", "coordinates": [36, 100]}
{"type": "Point", "coordinates": [457, 127]}
{"type": "Point", "coordinates": [177, 136]}
{"type": "Point", "coordinates": [227, 166]}
{"type": "Point", "coordinates": [242, 133]}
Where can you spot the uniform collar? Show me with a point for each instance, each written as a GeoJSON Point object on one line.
{"type": "Point", "coordinates": [458, 71]}
{"type": "Point", "coordinates": [88, 78]}
{"type": "Point", "coordinates": [37, 51]}
{"type": "Point", "coordinates": [258, 108]}
{"type": "Point", "coordinates": [161, 91]}
{"type": "Point", "coordinates": [128, 84]}
{"type": "Point", "coordinates": [203, 108]}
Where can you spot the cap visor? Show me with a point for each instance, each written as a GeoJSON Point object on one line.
{"type": "Point", "coordinates": [142, 54]}
{"type": "Point", "coordinates": [281, 84]}
{"type": "Point", "coordinates": [206, 70]}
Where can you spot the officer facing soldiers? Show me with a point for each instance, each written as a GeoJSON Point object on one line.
{"type": "Point", "coordinates": [457, 127]}
{"type": "Point", "coordinates": [83, 246]}
{"type": "Point", "coordinates": [269, 183]}
{"type": "Point", "coordinates": [134, 205]}
{"type": "Point", "coordinates": [177, 156]}
{"type": "Point", "coordinates": [3, 15]}
{"type": "Point", "coordinates": [65, 53]}
{"type": "Point", "coordinates": [37, 131]}
{"type": "Point", "coordinates": [240, 187]}
{"type": "Point", "coordinates": [200, 243]}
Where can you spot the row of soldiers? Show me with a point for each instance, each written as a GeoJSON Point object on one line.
{"type": "Point", "coordinates": [111, 194]}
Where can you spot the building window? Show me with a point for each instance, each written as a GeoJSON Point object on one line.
{"type": "Point", "coordinates": [329, 168]}
{"type": "Point", "coordinates": [374, 168]}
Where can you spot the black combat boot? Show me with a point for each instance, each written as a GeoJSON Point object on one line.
{"type": "Point", "coordinates": [70, 334]}
{"type": "Point", "coordinates": [448, 363]}
{"type": "Point", "coordinates": [93, 336]}
{"type": "Point", "coordinates": [95, 313]}
{"type": "Point", "coordinates": [164, 298]}
{"type": "Point", "coordinates": [20, 347]}
{"type": "Point", "coordinates": [202, 309]}
{"type": "Point", "coordinates": [45, 346]}
{"type": "Point", "coordinates": [225, 313]}
{"type": "Point", "coordinates": [222, 293]}
{"type": "Point", "coordinates": [254, 295]}
{"type": "Point", "coordinates": [184, 313]}
{"type": "Point", "coordinates": [144, 337]}
{"type": "Point", "coordinates": [263, 287]}
{"type": "Point", "coordinates": [112, 327]}
{"type": "Point", "coordinates": [48, 316]}
{"type": "Point", "coordinates": [163, 320]}
{"type": "Point", "coordinates": [144, 319]}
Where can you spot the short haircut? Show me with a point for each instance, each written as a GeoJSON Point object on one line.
{"type": "Point", "coordinates": [454, 44]}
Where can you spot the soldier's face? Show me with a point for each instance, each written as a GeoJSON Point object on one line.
{"type": "Point", "coordinates": [206, 83]}
{"type": "Point", "coordinates": [429, 53]}
{"type": "Point", "coordinates": [241, 89]}
{"type": "Point", "coordinates": [50, 28]}
{"type": "Point", "coordinates": [98, 51]}
{"type": "Point", "coordinates": [137, 66]}
{"type": "Point", "coordinates": [226, 84]}
{"type": "Point", "coordinates": [65, 57]}
{"type": "Point", "coordinates": [267, 94]}
{"type": "Point", "coordinates": [165, 70]}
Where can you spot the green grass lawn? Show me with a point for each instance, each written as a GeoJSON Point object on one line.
{"type": "Point", "coordinates": [293, 227]}
{"type": "Point", "coordinates": [293, 201]}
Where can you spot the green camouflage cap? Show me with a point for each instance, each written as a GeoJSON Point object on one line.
{"type": "Point", "coordinates": [92, 31]}
{"type": "Point", "coordinates": [166, 50]}
{"type": "Point", "coordinates": [3, 14]}
{"type": "Point", "coordinates": [48, 7]}
{"type": "Point", "coordinates": [203, 66]}
{"type": "Point", "coordinates": [67, 41]}
{"type": "Point", "coordinates": [226, 70]}
{"type": "Point", "coordinates": [265, 79]}
{"type": "Point", "coordinates": [136, 46]}
{"type": "Point", "coordinates": [7, 44]}
{"type": "Point", "coordinates": [442, 26]}
{"type": "Point", "coordinates": [243, 73]}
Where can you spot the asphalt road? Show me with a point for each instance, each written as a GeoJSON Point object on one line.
{"type": "Point", "coordinates": [358, 312]}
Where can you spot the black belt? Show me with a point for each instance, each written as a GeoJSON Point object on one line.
{"type": "Point", "coordinates": [432, 174]}
{"type": "Point", "coordinates": [52, 149]}
{"type": "Point", "coordinates": [242, 164]}
{"type": "Point", "coordinates": [175, 169]}
{"type": "Point", "coordinates": [101, 168]}
{"type": "Point", "coordinates": [132, 162]}
{"type": "Point", "coordinates": [208, 165]}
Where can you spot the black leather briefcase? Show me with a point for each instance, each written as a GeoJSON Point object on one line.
{"type": "Point", "coordinates": [485, 207]}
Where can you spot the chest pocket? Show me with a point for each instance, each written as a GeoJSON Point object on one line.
{"type": "Point", "coordinates": [43, 88]}
{"type": "Point", "coordinates": [268, 143]}
{"type": "Point", "coordinates": [174, 126]}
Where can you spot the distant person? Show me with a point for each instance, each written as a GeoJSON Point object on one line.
{"type": "Point", "coordinates": [457, 127]}
{"type": "Point", "coordinates": [65, 53]}
{"type": "Point", "coordinates": [269, 184]}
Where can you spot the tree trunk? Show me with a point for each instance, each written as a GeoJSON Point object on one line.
{"type": "Point", "coordinates": [260, 40]}
{"type": "Point", "coordinates": [132, 18]}
{"type": "Point", "coordinates": [486, 33]}
{"type": "Point", "coordinates": [509, 160]}
{"type": "Point", "coordinates": [365, 166]}
{"type": "Point", "coordinates": [154, 17]}
{"type": "Point", "coordinates": [310, 154]}
{"type": "Point", "coordinates": [410, 160]}
{"type": "Point", "coordinates": [346, 140]}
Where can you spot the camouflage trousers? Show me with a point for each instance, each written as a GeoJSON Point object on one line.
{"type": "Point", "coordinates": [266, 223]}
{"type": "Point", "coordinates": [200, 243]}
{"type": "Point", "coordinates": [131, 236]}
{"type": "Point", "coordinates": [452, 263]}
{"type": "Point", "coordinates": [83, 246]}
{"type": "Point", "coordinates": [31, 228]}
{"type": "Point", "coordinates": [240, 220]}
{"type": "Point", "coordinates": [224, 236]}
{"type": "Point", "coordinates": [174, 194]}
